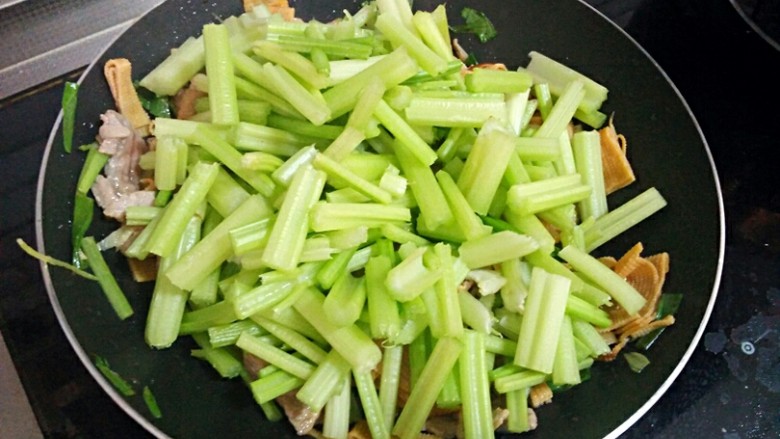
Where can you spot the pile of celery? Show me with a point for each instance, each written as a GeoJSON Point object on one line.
{"type": "Point", "coordinates": [341, 186]}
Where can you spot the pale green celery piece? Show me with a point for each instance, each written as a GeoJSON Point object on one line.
{"type": "Point", "coordinates": [434, 210]}
{"type": "Point", "coordinates": [488, 281]}
{"type": "Point", "coordinates": [485, 165]}
{"type": "Point", "coordinates": [227, 334]}
{"type": "Point", "coordinates": [346, 195]}
{"type": "Point", "coordinates": [399, 35]}
{"type": "Point", "coordinates": [481, 80]}
{"type": "Point", "coordinates": [532, 226]}
{"type": "Point", "coordinates": [181, 209]}
{"type": "Point", "coordinates": [168, 302]}
{"type": "Point", "coordinates": [587, 156]}
{"type": "Point", "coordinates": [294, 62]}
{"type": "Point", "coordinates": [349, 341]}
{"type": "Point", "coordinates": [231, 158]}
{"type": "Point", "coordinates": [393, 182]}
{"type": "Point", "coordinates": [336, 419]}
{"type": "Point", "coordinates": [250, 236]}
{"type": "Point", "coordinates": [590, 336]}
{"type": "Point", "coordinates": [593, 295]}
{"type": "Point", "coordinates": [543, 98]}
{"type": "Point", "coordinates": [316, 249]}
{"type": "Point", "coordinates": [477, 413]}
{"type": "Point", "coordinates": [496, 248]}
{"type": "Point", "coordinates": [354, 48]}
{"type": "Point", "coordinates": [594, 119]}
{"type": "Point", "coordinates": [348, 238]}
{"type": "Point", "coordinates": [223, 101]}
{"type": "Point", "coordinates": [202, 319]}
{"type": "Point", "coordinates": [261, 161]}
{"type": "Point", "coordinates": [384, 318]}
{"type": "Point", "coordinates": [566, 368]}
{"type": "Point", "coordinates": [472, 111]}
{"type": "Point", "coordinates": [552, 265]}
{"type": "Point", "coordinates": [141, 215]}
{"type": "Point", "coordinates": [449, 231]}
{"type": "Point", "coordinates": [636, 361]}
{"type": "Point", "coordinates": [285, 243]}
{"type": "Point", "coordinates": [393, 69]}
{"type": "Point", "coordinates": [276, 384]}
{"type": "Point", "coordinates": [172, 74]}
{"type": "Point", "coordinates": [450, 319]}
{"type": "Point", "coordinates": [309, 103]}
{"type": "Point", "coordinates": [622, 218]}
{"type": "Point", "coordinates": [215, 248]}
{"type": "Point", "coordinates": [500, 346]}
{"type": "Point", "coordinates": [367, 165]}
{"type": "Point", "coordinates": [474, 313]}
{"type": "Point", "coordinates": [324, 382]}
{"type": "Point", "coordinates": [498, 205]}
{"type": "Point", "coordinates": [329, 216]}
{"type": "Point", "coordinates": [565, 164]}
{"type": "Point", "coordinates": [248, 90]}
{"type": "Point", "coordinates": [406, 137]}
{"type": "Point", "coordinates": [260, 298]}
{"type": "Point", "coordinates": [508, 324]}
{"type": "Point", "coordinates": [222, 360]}
{"type": "Point", "coordinates": [519, 380]}
{"type": "Point", "coordinates": [372, 409]}
{"type": "Point", "coordinates": [303, 127]}
{"type": "Point", "coordinates": [321, 62]}
{"type": "Point", "coordinates": [165, 162]}
{"type": "Point", "coordinates": [516, 104]}
{"type": "Point", "coordinates": [400, 10]}
{"type": "Point", "coordinates": [359, 260]}
{"type": "Point", "coordinates": [558, 75]}
{"type": "Point", "coordinates": [284, 174]}
{"type": "Point", "coordinates": [365, 187]}
{"type": "Point", "coordinates": [184, 129]}
{"type": "Point", "coordinates": [517, 404]}
{"type": "Point", "coordinates": [514, 291]}
{"type": "Point", "coordinates": [345, 143]}
{"type": "Point", "coordinates": [423, 396]}
{"type": "Point", "coordinates": [275, 356]}
{"type": "Point", "coordinates": [450, 394]}
{"type": "Point", "coordinates": [562, 111]}
{"type": "Point", "coordinates": [145, 162]}
{"type": "Point", "coordinates": [537, 148]}
{"type": "Point", "coordinates": [367, 101]}
{"type": "Point", "coordinates": [449, 147]}
{"type": "Point", "coordinates": [410, 278]}
{"type": "Point", "coordinates": [183, 162]}
{"type": "Point", "coordinates": [388, 387]}
{"type": "Point", "coordinates": [401, 236]}
{"type": "Point", "coordinates": [251, 137]}
{"type": "Point", "coordinates": [334, 268]}
{"type": "Point", "coordinates": [574, 236]}
{"type": "Point", "coordinates": [249, 68]}
{"type": "Point", "coordinates": [426, 25]}
{"type": "Point", "coordinates": [343, 69]}
{"type": "Point", "coordinates": [399, 97]}
{"type": "Point", "coordinates": [345, 300]}
{"type": "Point", "coordinates": [292, 319]}
{"type": "Point", "coordinates": [545, 308]}
{"type": "Point", "coordinates": [612, 283]}
{"type": "Point", "coordinates": [292, 338]}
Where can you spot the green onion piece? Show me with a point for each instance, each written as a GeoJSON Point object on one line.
{"type": "Point", "coordinates": [151, 403]}
{"type": "Point", "coordinates": [113, 377]}
{"type": "Point", "coordinates": [598, 273]}
{"type": "Point", "coordinates": [106, 279]}
{"type": "Point", "coordinates": [430, 382]}
{"type": "Point", "coordinates": [93, 165]}
{"type": "Point", "coordinates": [69, 103]}
{"type": "Point", "coordinates": [83, 210]}
{"type": "Point", "coordinates": [636, 361]}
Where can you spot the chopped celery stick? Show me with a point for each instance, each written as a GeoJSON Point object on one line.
{"type": "Point", "coordinates": [552, 265]}
{"type": "Point", "coordinates": [316, 249]}
{"type": "Point", "coordinates": [276, 384]}
{"type": "Point", "coordinates": [324, 382]}
{"type": "Point", "coordinates": [434, 210]}
{"type": "Point", "coordinates": [586, 146]}
{"type": "Point", "coordinates": [174, 71]}
{"type": "Point", "coordinates": [532, 226]}
{"type": "Point", "coordinates": [470, 111]}
{"type": "Point", "coordinates": [426, 25]}
{"type": "Point", "coordinates": [252, 137]}
{"type": "Point", "coordinates": [348, 238]}
{"type": "Point", "coordinates": [303, 128]}
{"type": "Point", "coordinates": [488, 281]}
{"type": "Point", "coordinates": [202, 319]}
{"type": "Point", "coordinates": [593, 295]}
{"type": "Point", "coordinates": [309, 103]}
{"type": "Point", "coordinates": [346, 49]}
{"type": "Point", "coordinates": [285, 243]}
{"type": "Point", "coordinates": [226, 335]}
{"type": "Point", "coordinates": [594, 119]}
{"type": "Point", "coordinates": [622, 218]}
{"type": "Point", "coordinates": [223, 101]}
{"type": "Point", "coordinates": [182, 208]}
{"type": "Point", "coordinates": [401, 236]}
{"type": "Point", "coordinates": [496, 248]}
{"type": "Point", "coordinates": [481, 80]}
{"type": "Point", "coordinates": [224, 361]}
{"type": "Point", "coordinates": [581, 309]}
{"type": "Point", "coordinates": [537, 148]}
{"type": "Point", "coordinates": [562, 111]}
{"type": "Point", "coordinates": [423, 396]}
{"type": "Point", "coordinates": [141, 215]}
{"type": "Point", "coordinates": [517, 404]}
{"type": "Point", "coordinates": [349, 341]}
{"type": "Point", "coordinates": [541, 326]}
{"type": "Point", "coordinates": [168, 302]}
{"type": "Point", "coordinates": [250, 236]}
{"type": "Point", "coordinates": [226, 194]}
{"type": "Point", "coordinates": [372, 409]}
{"type": "Point", "coordinates": [367, 101]}
{"type": "Point", "coordinates": [516, 104]}
{"type": "Point", "coordinates": [329, 216]}
{"type": "Point", "coordinates": [406, 137]}
{"type": "Point", "coordinates": [450, 321]}
{"type": "Point", "coordinates": [284, 174]}
{"type": "Point", "coordinates": [345, 143]}
{"type": "Point", "coordinates": [474, 313]}
{"type": "Point", "coordinates": [464, 215]}
{"type": "Point", "coordinates": [334, 168]}
{"type": "Point", "coordinates": [500, 346]}
{"type": "Point", "coordinates": [485, 165]}
{"type": "Point", "coordinates": [116, 297]}
{"type": "Point", "coordinates": [565, 164]}
{"type": "Point", "coordinates": [514, 291]}
{"type": "Point", "coordinates": [450, 394]}
{"type": "Point", "coordinates": [250, 91]}
{"type": "Point", "coordinates": [346, 299]}
{"type": "Point", "coordinates": [557, 75]}
{"type": "Point", "coordinates": [151, 403]}
{"type": "Point", "coordinates": [275, 356]}
{"type": "Point", "coordinates": [260, 161]}
{"type": "Point", "coordinates": [385, 321]}
{"type": "Point", "coordinates": [617, 287]}
{"type": "Point", "coordinates": [166, 161]}
{"type": "Point", "coordinates": [477, 413]}
{"type": "Point", "coordinates": [334, 268]}
{"type": "Point", "coordinates": [400, 36]}
{"type": "Point", "coordinates": [565, 367]}
{"type": "Point", "coordinates": [215, 248]}
{"type": "Point", "coordinates": [261, 298]}
{"type": "Point", "coordinates": [587, 334]}
{"type": "Point", "coordinates": [294, 62]}
{"type": "Point", "coordinates": [388, 387]}
{"type": "Point", "coordinates": [215, 145]}
{"type": "Point", "coordinates": [337, 411]}
{"type": "Point", "coordinates": [410, 278]}
{"type": "Point", "coordinates": [520, 380]}
{"type": "Point", "coordinates": [394, 68]}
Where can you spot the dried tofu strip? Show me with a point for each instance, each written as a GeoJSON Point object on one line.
{"type": "Point", "coordinates": [281, 7]}
{"type": "Point", "coordinates": [118, 73]}
{"type": "Point", "coordinates": [617, 170]}
{"type": "Point", "coordinates": [360, 431]}
{"type": "Point", "coordinates": [540, 395]}
{"type": "Point", "coordinates": [184, 101]}
{"type": "Point", "coordinates": [629, 261]}
{"type": "Point", "coordinates": [636, 333]}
